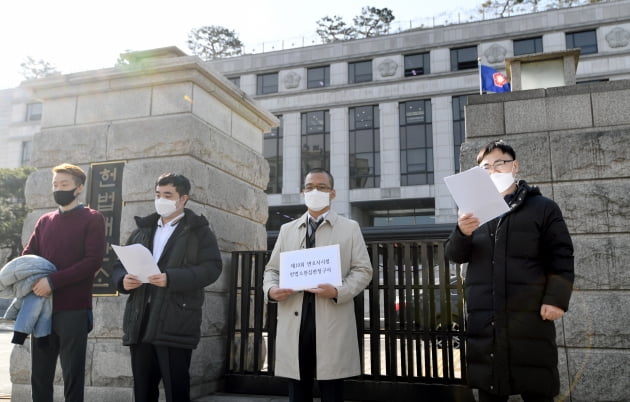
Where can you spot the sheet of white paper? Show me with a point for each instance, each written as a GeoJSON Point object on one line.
{"type": "Point", "coordinates": [473, 191]}
{"type": "Point", "coordinates": [309, 267]}
{"type": "Point", "coordinates": [137, 260]}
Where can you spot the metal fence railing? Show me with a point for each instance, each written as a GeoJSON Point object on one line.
{"type": "Point", "coordinates": [410, 322]}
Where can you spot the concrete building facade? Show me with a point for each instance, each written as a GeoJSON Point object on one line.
{"type": "Point", "coordinates": [386, 114]}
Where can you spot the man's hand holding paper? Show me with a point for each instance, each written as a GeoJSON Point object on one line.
{"type": "Point", "coordinates": [138, 261]}
{"type": "Point", "coordinates": [476, 196]}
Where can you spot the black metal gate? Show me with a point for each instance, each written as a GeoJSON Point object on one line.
{"type": "Point", "coordinates": [410, 322]}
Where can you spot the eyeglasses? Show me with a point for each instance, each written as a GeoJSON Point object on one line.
{"type": "Point", "coordinates": [322, 187]}
{"type": "Point", "coordinates": [497, 165]}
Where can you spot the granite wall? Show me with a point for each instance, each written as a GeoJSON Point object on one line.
{"type": "Point", "coordinates": [574, 143]}
{"type": "Point", "coordinates": [163, 113]}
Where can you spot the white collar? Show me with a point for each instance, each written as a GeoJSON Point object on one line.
{"type": "Point", "coordinates": [174, 222]}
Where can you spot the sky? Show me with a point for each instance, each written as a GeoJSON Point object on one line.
{"type": "Point", "coordinates": [81, 35]}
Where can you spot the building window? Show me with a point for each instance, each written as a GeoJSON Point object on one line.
{"type": "Point", "coordinates": [266, 83]}
{"type": "Point", "coordinates": [315, 140]}
{"type": "Point", "coordinates": [34, 112]}
{"type": "Point", "coordinates": [236, 81]}
{"type": "Point", "coordinates": [25, 159]}
{"type": "Point", "coordinates": [365, 155]}
{"type": "Point", "coordinates": [417, 64]}
{"type": "Point", "coordinates": [272, 151]}
{"type": "Point", "coordinates": [412, 216]}
{"type": "Point", "coordinates": [459, 127]}
{"type": "Point", "coordinates": [528, 46]}
{"type": "Point", "coordinates": [585, 40]}
{"type": "Point", "coordinates": [318, 77]}
{"type": "Point", "coordinates": [416, 143]}
{"type": "Point", "coordinates": [360, 71]}
{"type": "Point", "coordinates": [464, 58]}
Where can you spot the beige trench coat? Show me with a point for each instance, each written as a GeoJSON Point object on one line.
{"type": "Point", "coordinates": [335, 322]}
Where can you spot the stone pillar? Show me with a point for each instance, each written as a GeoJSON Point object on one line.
{"type": "Point", "coordinates": [165, 112]}
{"type": "Point", "coordinates": [573, 143]}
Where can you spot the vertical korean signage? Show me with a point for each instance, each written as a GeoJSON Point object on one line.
{"type": "Point", "coordinates": [106, 197]}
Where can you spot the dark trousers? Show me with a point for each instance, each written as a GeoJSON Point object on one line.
{"type": "Point", "coordinates": [302, 390]}
{"type": "Point", "coordinates": [150, 364]}
{"type": "Point", "coordinates": [527, 397]}
{"type": "Point", "coordinates": [68, 341]}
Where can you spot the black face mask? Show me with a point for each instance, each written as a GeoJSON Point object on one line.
{"type": "Point", "coordinates": [64, 198]}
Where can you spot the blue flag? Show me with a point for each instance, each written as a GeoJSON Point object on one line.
{"type": "Point", "coordinates": [492, 80]}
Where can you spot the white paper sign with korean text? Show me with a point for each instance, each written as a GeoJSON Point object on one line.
{"type": "Point", "coordinates": [307, 268]}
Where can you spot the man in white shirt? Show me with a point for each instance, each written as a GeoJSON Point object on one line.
{"type": "Point", "coordinates": [162, 318]}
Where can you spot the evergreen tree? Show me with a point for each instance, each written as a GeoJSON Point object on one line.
{"type": "Point", "coordinates": [213, 42]}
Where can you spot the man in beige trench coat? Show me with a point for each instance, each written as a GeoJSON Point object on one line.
{"type": "Point", "coordinates": [317, 333]}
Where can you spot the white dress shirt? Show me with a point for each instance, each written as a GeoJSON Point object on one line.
{"type": "Point", "coordinates": [162, 234]}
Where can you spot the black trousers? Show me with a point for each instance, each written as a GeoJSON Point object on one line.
{"type": "Point", "coordinates": [150, 364]}
{"type": "Point", "coordinates": [527, 397]}
{"type": "Point", "coordinates": [68, 341]}
{"type": "Point", "coordinates": [302, 390]}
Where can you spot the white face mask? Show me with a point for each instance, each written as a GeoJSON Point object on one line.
{"type": "Point", "coordinates": [316, 200]}
{"type": "Point", "coordinates": [502, 181]}
{"type": "Point", "coordinates": [164, 207]}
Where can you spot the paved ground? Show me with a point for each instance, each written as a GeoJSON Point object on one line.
{"type": "Point", "coordinates": [6, 333]}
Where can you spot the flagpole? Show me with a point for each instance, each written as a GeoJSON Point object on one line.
{"type": "Point", "coordinates": [479, 69]}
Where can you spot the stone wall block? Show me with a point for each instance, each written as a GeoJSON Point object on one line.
{"type": "Point", "coordinates": [599, 373]}
{"type": "Point", "coordinates": [253, 237]}
{"type": "Point", "coordinates": [211, 110]}
{"type": "Point", "coordinates": [526, 116]}
{"type": "Point", "coordinates": [59, 112]}
{"type": "Point", "coordinates": [602, 261]}
{"type": "Point", "coordinates": [590, 155]}
{"type": "Point", "coordinates": [38, 189]}
{"type": "Point", "coordinates": [111, 364]}
{"type": "Point", "coordinates": [77, 145]}
{"type": "Point", "coordinates": [484, 120]}
{"type": "Point", "coordinates": [210, 186]}
{"type": "Point", "coordinates": [532, 152]}
{"type": "Point", "coordinates": [214, 314]}
{"type": "Point", "coordinates": [563, 371]}
{"type": "Point", "coordinates": [108, 316]}
{"type": "Point", "coordinates": [569, 112]}
{"type": "Point", "coordinates": [594, 318]}
{"type": "Point", "coordinates": [208, 361]}
{"type": "Point", "coordinates": [103, 394]}
{"type": "Point", "coordinates": [236, 158]}
{"type": "Point", "coordinates": [21, 363]}
{"type": "Point", "coordinates": [221, 222]}
{"type": "Point", "coordinates": [172, 98]}
{"type": "Point", "coordinates": [246, 133]}
{"type": "Point", "coordinates": [610, 108]}
{"type": "Point", "coordinates": [596, 206]}
{"type": "Point", "coordinates": [115, 105]}
{"type": "Point", "coordinates": [164, 136]}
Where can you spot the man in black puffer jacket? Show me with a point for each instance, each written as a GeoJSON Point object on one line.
{"type": "Point", "coordinates": [519, 280]}
{"type": "Point", "coordinates": [162, 318]}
